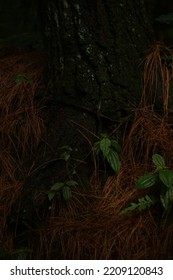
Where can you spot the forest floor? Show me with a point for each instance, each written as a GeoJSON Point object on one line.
{"type": "Point", "coordinates": [59, 203]}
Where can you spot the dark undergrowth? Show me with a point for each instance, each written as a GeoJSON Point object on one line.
{"type": "Point", "coordinates": [88, 225]}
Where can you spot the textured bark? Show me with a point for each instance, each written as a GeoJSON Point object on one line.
{"type": "Point", "coordinates": [96, 50]}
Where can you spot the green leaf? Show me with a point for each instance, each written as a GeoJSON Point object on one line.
{"type": "Point", "coordinates": [159, 161]}
{"type": "Point", "coordinates": [116, 146]}
{"type": "Point", "coordinates": [105, 145]}
{"type": "Point", "coordinates": [170, 195]}
{"type": "Point", "coordinates": [66, 192]}
{"type": "Point", "coordinates": [142, 204]}
{"type": "Point", "coordinates": [71, 183]}
{"type": "Point", "coordinates": [165, 200]}
{"type": "Point", "coordinates": [57, 186]}
{"type": "Point", "coordinates": [51, 195]}
{"type": "Point", "coordinates": [132, 207]}
{"type": "Point", "coordinates": [145, 202]}
{"type": "Point", "coordinates": [65, 155]}
{"type": "Point", "coordinates": [114, 161]}
{"type": "Point", "coordinates": [160, 168]}
{"type": "Point", "coordinates": [167, 18]}
{"type": "Point", "coordinates": [146, 181]}
{"type": "Point", "coordinates": [166, 176]}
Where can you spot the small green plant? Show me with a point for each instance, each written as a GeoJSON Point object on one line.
{"type": "Point", "coordinates": [162, 179]}
{"type": "Point", "coordinates": [64, 188]}
{"type": "Point", "coordinates": [110, 150]}
{"type": "Point", "coordinates": [142, 204]}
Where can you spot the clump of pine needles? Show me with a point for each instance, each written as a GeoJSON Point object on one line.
{"type": "Point", "coordinates": [21, 124]}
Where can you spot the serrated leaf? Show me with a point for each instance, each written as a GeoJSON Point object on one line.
{"type": "Point", "coordinates": [51, 195]}
{"type": "Point", "coordinates": [57, 186]}
{"type": "Point", "coordinates": [166, 176]}
{"type": "Point", "coordinates": [159, 161]}
{"type": "Point", "coordinates": [145, 202]}
{"type": "Point", "coordinates": [114, 161]}
{"type": "Point", "coordinates": [146, 181]}
{"type": "Point", "coordinates": [66, 192]}
{"type": "Point", "coordinates": [71, 183]}
{"type": "Point", "coordinates": [116, 146]}
{"type": "Point", "coordinates": [105, 145]}
{"type": "Point", "coordinates": [142, 204]}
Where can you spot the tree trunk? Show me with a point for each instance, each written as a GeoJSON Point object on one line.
{"type": "Point", "coordinates": [96, 49]}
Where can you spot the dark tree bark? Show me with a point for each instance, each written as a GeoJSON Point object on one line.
{"type": "Point", "coordinates": [96, 49]}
